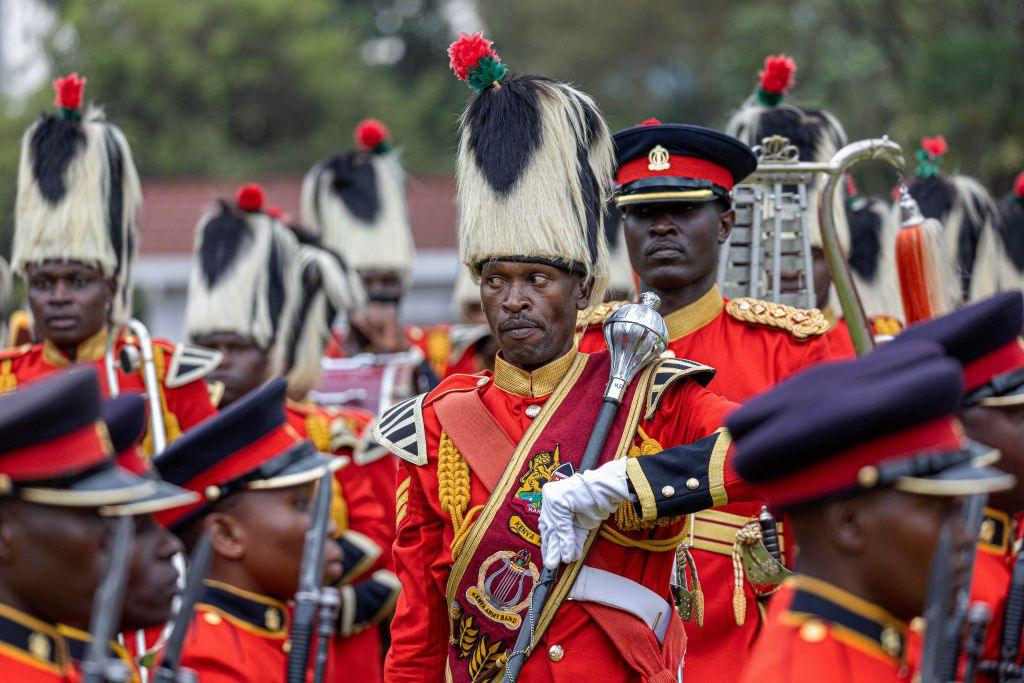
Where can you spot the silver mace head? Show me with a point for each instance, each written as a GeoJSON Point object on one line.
{"type": "Point", "coordinates": [910, 212]}
{"type": "Point", "coordinates": [636, 336]}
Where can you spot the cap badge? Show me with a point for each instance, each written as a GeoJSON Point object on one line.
{"type": "Point", "coordinates": [657, 159]}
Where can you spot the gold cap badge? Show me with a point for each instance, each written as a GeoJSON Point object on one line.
{"type": "Point", "coordinates": [657, 159]}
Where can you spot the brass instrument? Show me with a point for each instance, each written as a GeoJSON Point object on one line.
{"type": "Point", "coordinates": [131, 359]}
{"type": "Point", "coordinates": [771, 233]}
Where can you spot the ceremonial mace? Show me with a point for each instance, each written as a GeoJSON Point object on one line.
{"type": "Point", "coordinates": [636, 336]}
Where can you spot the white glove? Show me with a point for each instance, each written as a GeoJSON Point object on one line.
{"type": "Point", "coordinates": [574, 506]}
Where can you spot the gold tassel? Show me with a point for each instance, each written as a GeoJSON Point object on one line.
{"type": "Point", "coordinates": [318, 429]}
{"type": "Point", "coordinates": [698, 602]}
{"type": "Point", "coordinates": [453, 490]}
{"type": "Point", "coordinates": [749, 534]}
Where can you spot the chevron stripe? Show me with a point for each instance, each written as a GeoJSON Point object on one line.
{"type": "Point", "coordinates": [400, 430]}
{"type": "Point", "coordinates": [667, 373]}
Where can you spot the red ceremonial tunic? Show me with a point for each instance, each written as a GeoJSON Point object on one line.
{"type": "Point", "coordinates": [579, 643]}
{"type": "Point", "coordinates": [183, 406]}
{"type": "Point", "coordinates": [32, 651]}
{"type": "Point", "coordinates": [366, 506]}
{"type": "Point", "coordinates": [237, 637]}
{"type": "Point", "coordinates": [816, 632]}
{"type": "Point", "coordinates": [749, 358]}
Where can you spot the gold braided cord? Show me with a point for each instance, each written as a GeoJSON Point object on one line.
{"type": "Point", "coordinates": [659, 545]}
{"type": "Point", "coordinates": [462, 530]}
{"type": "Point", "coordinates": [748, 535]}
{"type": "Point", "coordinates": [453, 490]}
{"type": "Point", "coordinates": [318, 429]}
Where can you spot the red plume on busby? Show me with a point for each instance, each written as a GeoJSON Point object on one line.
{"type": "Point", "coordinates": [275, 211]}
{"type": "Point", "coordinates": [930, 155]}
{"type": "Point", "coordinates": [651, 122]}
{"type": "Point", "coordinates": [1018, 187]}
{"type": "Point", "coordinates": [250, 197]}
{"type": "Point", "coordinates": [775, 79]}
{"type": "Point", "coordinates": [372, 135]}
{"type": "Point", "coordinates": [472, 58]}
{"type": "Point", "coordinates": [533, 169]}
{"type": "Point", "coordinates": [68, 92]}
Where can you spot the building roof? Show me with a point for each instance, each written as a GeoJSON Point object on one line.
{"type": "Point", "coordinates": [171, 209]}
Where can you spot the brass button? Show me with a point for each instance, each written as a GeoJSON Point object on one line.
{"type": "Point", "coordinates": [813, 631]}
{"type": "Point", "coordinates": [555, 653]}
{"type": "Point", "coordinates": [692, 483]}
{"type": "Point", "coordinates": [39, 646]}
{"type": "Point", "coordinates": [532, 411]}
{"type": "Point", "coordinates": [482, 381]}
{"type": "Point", "coordinates": [211, 618]}
{"type": "Point", "coordinates": [668, 491]}
{"type": "Point", "coordinates": [272, 619]}
{"type": "Point", "coordinates": [867, 477]}
{"type": "Point", "coordinates": [286, 646]}
{"type": "Point", "coordinates": [212, 492]}
{"type": "Point", "coordinates": [892, 641]}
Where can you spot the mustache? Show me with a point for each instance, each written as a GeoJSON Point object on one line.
{"type": "Point", "coordinates": [663, 244]}
{"type": "Point", "coordinates": [517, 322]}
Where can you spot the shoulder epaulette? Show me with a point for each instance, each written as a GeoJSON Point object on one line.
{"type": "Point", "coordinates": [598, 314]}
{"type": "Point", "coordinates": [368, 449]}
{"type": "Point", "coordinates": [189, 363]}
{"type": "Point", "coordinates": [342, 434]}
{"type": "Point", "coordinates": [802, 323]}
{"type": "Point", "coordinates": [667, 372]}
{"type": "Point", "coordinates": [401, 431]}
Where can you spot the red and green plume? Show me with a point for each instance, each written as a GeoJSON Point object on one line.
{"type": "Point", "coordinates": [930, 156]}
{"type": "Point", "coordinates": [371, 135]}
{"type": "Point", "coordinates": [250, 198]}
{"type": "Point", "coordinates": [1018, 187]}
{"type": "Point", "coordinates": [775, 79]}
{"type": "Point", "coordinates": [651, 122]}
{"type": "Point", "coordinates": [472, 59]}
{"type": "Point", "coordinates": [68, 91]}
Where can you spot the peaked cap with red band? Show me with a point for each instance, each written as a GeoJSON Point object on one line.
{"type": "Point", "coordinates": [885, 419]}
{"type": "Point", "coordinates": [55, 450]}
{"type": "Point", "coordinates": [248, 445]}
{"type": "Point", "coordinates": [673, 162]}
{"type": "Point", "coordinates": [985, 339]}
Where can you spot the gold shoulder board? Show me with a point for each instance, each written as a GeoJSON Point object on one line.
{"type": "Point", "coordinates": [802, 323]}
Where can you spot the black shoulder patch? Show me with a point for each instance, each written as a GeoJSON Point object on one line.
{"type": "Point", "coordinates": [400, 430]}
{"type": "Point", "coordinates": [665, 375]}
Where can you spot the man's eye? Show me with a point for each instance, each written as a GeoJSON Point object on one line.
{"type": "Point", "coordinates": [538, 279]}
{"type": "Point", "coordinates": [39, 283]}
{"type": "Point", "coordinates": [79, 282]}
{"type": "Point", "coordinates": [493, 281]}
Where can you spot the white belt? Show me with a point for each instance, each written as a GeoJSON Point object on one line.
{"type": "Point", "coordinates": [612, 590]}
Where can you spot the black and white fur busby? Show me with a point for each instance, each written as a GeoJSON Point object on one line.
{"type": "Point", "coordinates": [355, 202]}
{"type": "Point", "coordinates": [1011, 236]}
{"type": "Point", "coordinates": [327, 288]}
{"type": "Point", "coordinates": [873, 227]}
{"type": "Point", "coordinates": [78, 194]}
{"type": "Point", "coordinates": [244, 277]}
{"type": "Point", "coordinates": [816, 134]}
{"type": "Point", "coordinates": [970, 220]}
{"type": "Point", "coordinates": [534, 169]}
{"type": "Point", "coordinates": [620, 269]}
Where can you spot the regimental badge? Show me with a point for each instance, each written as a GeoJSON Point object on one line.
{"type": "Point", "coordinates": [657, 159]}
{"type": "Point", "coordinates": [272, 619]}
{"type": "Point", "coordinates": [39, 646]}
{"type": "Point", "coordinates": [504, 584]}
{"type": "Point", "coordinates": [538, 472]}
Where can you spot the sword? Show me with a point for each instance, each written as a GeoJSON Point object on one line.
{"type": "Point", "coordinates": [307, 598]}
{"type": "Point", "coordinates": [636, 336]}
{"type": "Point", "coordinates": [977, 623]}
{"type": "Point", "coordinates": [169, 671]}
{"type": "Point", "coordinates": [106, 609]}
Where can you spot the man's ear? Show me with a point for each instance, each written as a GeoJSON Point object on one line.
{"type": "Point", "coordinates": [845, 524]}
{"type": "Point", "coordinates": [725, 223]}
{"type": "Point", "coordinates": [227, 534]}
{"type": "Point", "coordinates": [586, 288]}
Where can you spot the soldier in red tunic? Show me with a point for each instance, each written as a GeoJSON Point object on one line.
{"type": "Point", "coordinates": [255, 475]}
{"type": "Point", "coordinates": [674, 190]}
{"type": "Point", "coordinates": [984, 338]}
{"type": "Point", "coordinates": [535, 157]}
{"type": "Point", "coordinates": [278, 326]}
{"type": "Point", "coordinates": [75, 240]}
{"type": "Point", "coordinates": [867, 458]}
{"type": "Point", "coordinates": [57, 474]}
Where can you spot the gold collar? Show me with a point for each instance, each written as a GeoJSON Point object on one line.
{"type": "Point", "coordinates": [540, 382]}
{"type": "Point", "coordinates": [93, 348]}
{"type": "Point", "coordinates": [692, 317]}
